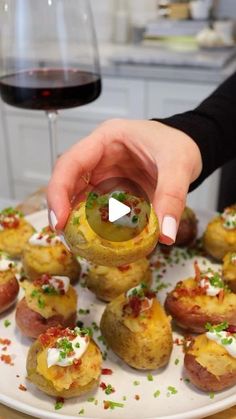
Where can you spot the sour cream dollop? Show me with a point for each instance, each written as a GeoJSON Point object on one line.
{"type": "Point", "coordinates": [211, 289]}
{"type": "Point", "coordinates": [224, 339]}
{"type": "Point", "coordinates": [59, 283]}
{"type": "Point", "coordinates": [136, 291]}
{"type": "Point", "coordinates": [44, 240]}
{"type": "Point", "coordinates": [229, 217]}
{"type": "Point", "coordinates": [55, 356]}
{"type": "Point", "coordinates": [6, 263]}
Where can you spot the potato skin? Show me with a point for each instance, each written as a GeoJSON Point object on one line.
{"type": "Point", "coordinates": [192, 313]}
{"type": "Point", "coordinates": [84, 242]}
{"type": "Point", "coordinates": [229, 271]}
{"type": "Point", "coordinates": [52, 260]}
{"type": "Point", "coordinates": [9, 289]}
{"type": "Point", "coordinates": [187, 231]}
{"type": "Point", "coordinates": [142, 344]}
{"type": "Point", "coordinates": [108, 283]}
{"type": "Point", "coordinates": [217, 240]}
{"type": "Point", "coordinates": [32, 324]}
{"type": "Point", "coordinates": [47, 386]}
{"type": "Point", "coordinates": [203, 376]}
{"type": "Point", "coordinates": [13, 240]}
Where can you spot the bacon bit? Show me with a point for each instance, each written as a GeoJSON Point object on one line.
{"type": "Point", "coordinates": [221, 296]}
{"type": "Point", "coordinates": [106, 404]}
{"type": "Point", "coordinates": [197, 271]}
{"type": "Point", "coordinates": [77, 362]}
{"type": "Point", "coordinates": [133, 306]}
{"type": "Point", "coordinates": [178, 342]}
{"type": "Point", "coordinates": [107, 371]}
{"type": "Point", "coordinates": [137, 211]}
{"type": "Point", "coordinates": [5, 341]}
{"type": "Point", "coordinates": [124, 268]}
{"type": "Point", "coordinates": [137, 397]}
{"type": "Point", "coordinates": [10, 221]}
{"type": "Point", "coordinates": [22, 388]}
{"type": "Point", "coordinates": [103, 386]}
{"type": "Point", "coordinates": [42, 280]}
{"type": "Point", "coordinates": [104, 211]}
{"type": "Point", "coordinates": [231, 329]}
{"type": "Point", "coordinates": [54, 333]}
{"type": "Point", "coordinates": [6, 359]}
{"type": "Point", "coordinates": [17, 376]}
{"type": "Point", "coordinates": [157, 264]}
{"type": "Point", "coordinates": [4, 348]}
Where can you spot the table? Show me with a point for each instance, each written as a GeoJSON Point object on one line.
{"type": "Point", "coordinates": [34, 203]}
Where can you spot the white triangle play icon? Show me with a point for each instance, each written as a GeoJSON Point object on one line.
{"type": "Point", "coordinates": [117, 210]}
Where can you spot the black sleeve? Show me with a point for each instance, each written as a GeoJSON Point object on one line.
{"type": "Point", "coordinates": [212, 125]}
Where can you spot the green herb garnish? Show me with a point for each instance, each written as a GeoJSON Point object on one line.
{"type": "Point", "coordinates": [176, 361]}
{"type": "Point", "coordinates": [157, 393]}
{"type": "Point", "coordinates": [84, 311]}
{"type": "Point", "coordinates": [59, 404]}
{"type": "Point", "coordinates": [109, 389]}
{"type": "Point", "coordinates": [211, 395]}
{"type": "Point", "coordinates": [7, 323]}
{"type": "Point", "coordinates": [75, 221]}
{"type": "Point", "coordinates": [108, 404]}
{"type": "Point", "coordinates": [150, 377]}
{"type": "Point", "coordinates": [172, 390]}
{"type": "Point", "coordinates": [136, 383]}
{"type": "Point", "coordinates": [217, 329]}
{"type": "Point", "coordinates": [81, 412]}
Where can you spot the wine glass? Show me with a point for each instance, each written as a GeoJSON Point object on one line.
{"type": "Point", "coordinates": [49, 57]}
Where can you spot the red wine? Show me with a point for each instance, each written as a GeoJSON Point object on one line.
{"type": "Point", "coordinates": [50, 89]}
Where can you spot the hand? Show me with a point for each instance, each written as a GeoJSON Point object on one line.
{"type": "Point", "coordinates": [133, 149]}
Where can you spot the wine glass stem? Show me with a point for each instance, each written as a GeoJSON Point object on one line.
{"type": "Point", "coordinates": [52, 122]}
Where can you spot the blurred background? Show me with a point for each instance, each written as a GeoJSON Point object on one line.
{"type": "Point", "coordinates": [158, 58]}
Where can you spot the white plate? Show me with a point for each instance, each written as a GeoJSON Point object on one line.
{"type": "Point", "coordinates": [188, 403]}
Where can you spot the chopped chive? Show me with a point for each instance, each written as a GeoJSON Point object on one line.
{"type": "Point", "coordinates": [150, 377]}
{"type": "Point", "coordinates": [136, 383]}
{"type": "Point", "coordinates": [177, 361]}
{"type": "Point", "coordinates": [7, 323]}
{"type": "Point", "coordinates": [211, 395]}
{"type": "Point", "coordinates": [157, 393]}
{"type": "Point", "coordinates": [81, 412]}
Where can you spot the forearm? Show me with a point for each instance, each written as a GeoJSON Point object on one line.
{"type": "Point", "coordinates": [212, 125]}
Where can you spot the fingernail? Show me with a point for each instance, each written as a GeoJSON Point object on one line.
{"type": "Point", "coordinates": [64, 242]}
{"type": "Point", "coordinates": [169, 227]}
{"type": "Point", "coordinates": [52, 219]}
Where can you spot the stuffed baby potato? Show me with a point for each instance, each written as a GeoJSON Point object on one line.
{"type": "Point", "coordinates": [220, 235]}
{"type": "Point", "coordinates": [210, 361]}
{"type": "Point", "coordinates": [108, 283]}
{"type": "Point", "coordinates": [9, 287]}
{"type": "Point", "coordinates": [204, 298]}
{"type": "Point", "coordinates": [64, 363]}
{"type": "Point", "coordinates": [84, 242]}
{"type": "Point", "coordinates": [187, 232]}
{"type": "Point", "coordinates": [229, 270]}
{"type": "Point", "coordinates": [45, 253]}
{"type": "Point", "coordinates": [49, 301]}
{"type": "Point", "coordinates": [137, 329]}
{"type": "Point", "coordinates": [15, 231]}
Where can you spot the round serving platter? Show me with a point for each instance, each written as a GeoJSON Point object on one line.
{"type": "Point", "coordinates": [138, 395]}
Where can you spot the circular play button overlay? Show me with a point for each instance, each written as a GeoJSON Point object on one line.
{"type": "Point", "coordinates": [117, 209]}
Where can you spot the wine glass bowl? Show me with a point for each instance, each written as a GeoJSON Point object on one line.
{"type": "Point", "coordinates": [49, 57]}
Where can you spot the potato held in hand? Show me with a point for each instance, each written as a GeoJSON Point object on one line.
{"type": "Point", "coordinates": [15, 231]}
{"type": "Point", "coordinates": [45, 253]}
{"type": "Point", "coordinates": [205, 298]}
{"type": "Point", "coordinates": [84, 242]}
{"type": "Point", "coordinates": [49, 301]}
{"type": "Point", "coordinates": [108, 282]}
{"type": "Point", "coordinates": [64, 363]}
{"type": "Point", "coordinates": [210, 361]}
{"type": "Point", "coordinates": [229, 270]}
{"type": "Point", "coordinates": [137, 329]}
{"type": "Point", "coordinates": [9, 287]}
{"type": "Point", "coordinates": [220, 235]}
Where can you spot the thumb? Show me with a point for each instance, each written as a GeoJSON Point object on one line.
{"type": "Point", "coordinates": [170, 199]}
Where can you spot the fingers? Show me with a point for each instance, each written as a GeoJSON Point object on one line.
{"type": "Point", "coordinates": [169, 200]}
{"type": "Point", "coordinates": [67, 177]}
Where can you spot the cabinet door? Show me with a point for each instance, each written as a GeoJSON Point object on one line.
{"type": "Point", "coordinates": [166, 99]}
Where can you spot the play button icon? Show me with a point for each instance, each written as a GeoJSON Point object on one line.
{"type": "Point", "coordinates": [117, 210]}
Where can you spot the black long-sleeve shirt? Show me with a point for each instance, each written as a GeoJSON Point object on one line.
{"type": "Point", "coordinates": [212, 125]}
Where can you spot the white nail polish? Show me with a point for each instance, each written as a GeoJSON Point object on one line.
{"type": "Point", "coordinates": [64, 242]}
{"type": "Point", "coordinates": [169, 227]}
{"type": "Point", "coordinates": [52, 219]}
